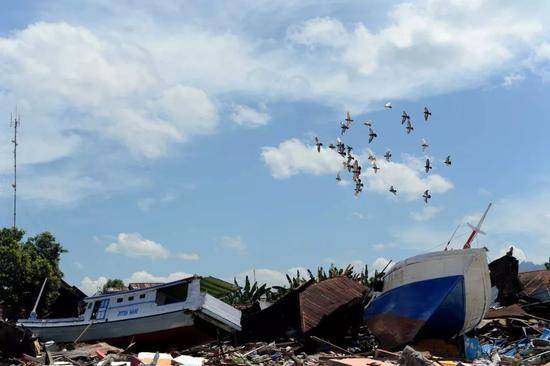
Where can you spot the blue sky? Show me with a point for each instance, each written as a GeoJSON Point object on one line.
{"type": "Point", "coordinates": [176, 138]}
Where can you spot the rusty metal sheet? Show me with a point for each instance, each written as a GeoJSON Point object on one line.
{"type": "Point", "coordinates": [323, 298]}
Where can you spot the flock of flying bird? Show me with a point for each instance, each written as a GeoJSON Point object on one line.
{"type": "Point", "coordinates": [351, 164]}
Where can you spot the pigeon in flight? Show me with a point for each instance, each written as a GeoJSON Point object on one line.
{"type": "Point", "coordinates": [331, 146]}
{"type": "Point", "coordinates": [338, 178]}
{"type": "Point", "coordinates": [387, 155]}
{"type": "Point", "coordinates": [448, 161]}
{"type": "Point", "coordinates": [349, 148]}
{"type": "Point", "coordinates": [344, 127]}
{"type": "Point", "coordinates": [405, 117]}
{"type": "Point", "coordinates": [348, 119]}
{"type": "Point", "coordinates": [341, 147]}
{"type": "Point", "coordinates": [372, 135]}
{"type": "Point", "coordinates": [409, 127]}
{"type": "Point", "coordinates": [350, 158]}
{"type": "Point", "coordinates": [427, 113]}
{"type": "Point", "coordinates": [318, 144]}
{"type": "Point", "coordinates": [427, 167]}
{"type": "Point", "coordinates": [358, 187]}
{"type": "Point", "coordinates": [424, 145]}
{"type": "Point", "coordinates": [393, 190]}
{"type": "Point", "coordinates": [368, 123]}
{"type": "Point", "coordinates": [388, 105]}
{"type": "Point", "coordinates": [375, 167]}
{"type": "Point", "coordinates": [371, 157]}
{"type": "Point", "coordinates": [426, 196]}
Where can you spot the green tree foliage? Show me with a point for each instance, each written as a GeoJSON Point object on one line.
{"type": "Point", "coordinates": [113, 283]}
{"type": "Point", "coordinates": [24, 264]}
{"type": "Point", "coordinates": [249, 293]}
{"type": "Point", "coordinates": [547, 265]}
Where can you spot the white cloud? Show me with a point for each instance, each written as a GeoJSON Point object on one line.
{"type": "Point", "coordinates": [147, 203]}
{"type": "Point", "coordinates": [380, 263]}
{"type": "Point", "coordinates": [518, 253]}
{"type": "Point", "coordinates": [188, 256]}
{"type": "Point", "coordinates": [263, 275]}
{"type": "Point", "coordinates": [382, 246]}
{"type": "Point", "coordinates": [249, 117]}
{"type": "Point", "coordinates": [318, 32]}
{"type": "Point", "coordinates": [94, 83]}
{"type": "Point", "coordinates": [134, 245]}
{"type": "Point", "coordinates": [425, 214]}
{"type": "Point", "coordinates": [511, 79]}
{"type": "Point", "coordinates": [522, 221]}
{"type": "Point", "coordinates": [425, 47]}
{"type": "Point", "coordinates": [91, 286]}
{"type": "Point", "coordinates": [292, 157]}
{"type": "Point", "coordinates": [144, 276]}
{"type": "Point", "coordinates": [406, 177]}
{"type": "Point", "coordinates": [235, 243]}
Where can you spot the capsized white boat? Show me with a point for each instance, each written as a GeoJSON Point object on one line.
{"type": "Point", "coordinates": [177, 311]}
{"type": "Point", "coordinates": [434, 295]}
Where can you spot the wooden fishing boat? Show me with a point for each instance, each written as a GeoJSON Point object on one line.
{"type": "Point", "coordinates": [178, 312]}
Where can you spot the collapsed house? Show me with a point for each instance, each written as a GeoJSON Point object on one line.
{"type": "Point", "coordinates": [536, 284]}
{"type": "Point", "coordinates": [328, 309]}
{"type": "Point", "coordinates": [504, 276]}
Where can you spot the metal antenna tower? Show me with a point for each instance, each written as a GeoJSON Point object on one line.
{"type": "Point", "coordinates": [15, 121]}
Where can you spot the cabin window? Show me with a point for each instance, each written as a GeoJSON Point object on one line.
{"type": "Point", "coordinates": [100, 309]}
{"type": "Point", "coordinates": [130, 298]}
{"type": "Point", "coordinates": [171, 294]}
{"type": "Point", "coordinates": [119, 299]}
{"type": "Point", "coordinates": [142, 296]}
{"type": "Point", "coordinates": [89, 305]}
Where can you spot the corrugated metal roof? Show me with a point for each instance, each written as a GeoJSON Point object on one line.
{"type": "Point", "coordinates": [535, 282]}
{"type": "Point", "coordinates": [323, 298]}
{"type": "Point", "coordinates": [142, 285]}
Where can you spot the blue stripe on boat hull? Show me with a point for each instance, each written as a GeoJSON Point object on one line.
{"type": "Point", "coordinates": [430, 308]}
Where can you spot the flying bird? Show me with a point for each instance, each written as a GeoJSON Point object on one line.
{"type": "Point", "coordinates": [349, 148]}
{"type": "Point", "coordinates": [372, 135]}
{"type": "Point", "coordinates": [350, 158]}
{"type": "Point", "coordinates": [348, 119]}
{"type": "Point", "coordinates": [405, 117]}
{"type": "Point", "coordinates": [426, 196]}
{"type": "Point", "coordinates": [338, 178]}
{"type": "Point", "coordinates": [331, 146]}
{"type": "Point", "coordinates": [409, 127]}
{"type": "Point", "coordinates": [387, 155]}
{"type": "Point", "coordinates": [375, 168]}
{"type": "Point", "coordinates": [448, 161]}
{"type": "Point", "coordinates": [318, 144]}
{"type": "Point", "coordinates": [344, 127]}
{"type": "Point", "coordinates": [358, 187]}
{"type": "Point", "coordinates": [371, 157]}
{"type": "Point", "coordinates": [424, 145]}
{"type": "Point", "coordinates": [393, 190]}
{"type": "Point", "coordinates": [356, 171]}
{"type": "Point", "coordinates": [427, 167]}
{"type": "Point", "coordinates": [427, 113]}
{"type": "Point", "coordinates": [368, 123]}
{"type": "Point", "coordinates": [388, 105]}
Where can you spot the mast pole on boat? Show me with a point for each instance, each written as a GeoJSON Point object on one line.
{"type": "Point", "coordinates": [452, 236]}
{"type": "Point", "coordinates": [15, 120]}
{"type": "Point", "coordinates": [476, 229]}
{"type": "Point", "coordinates": [33, 312]}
